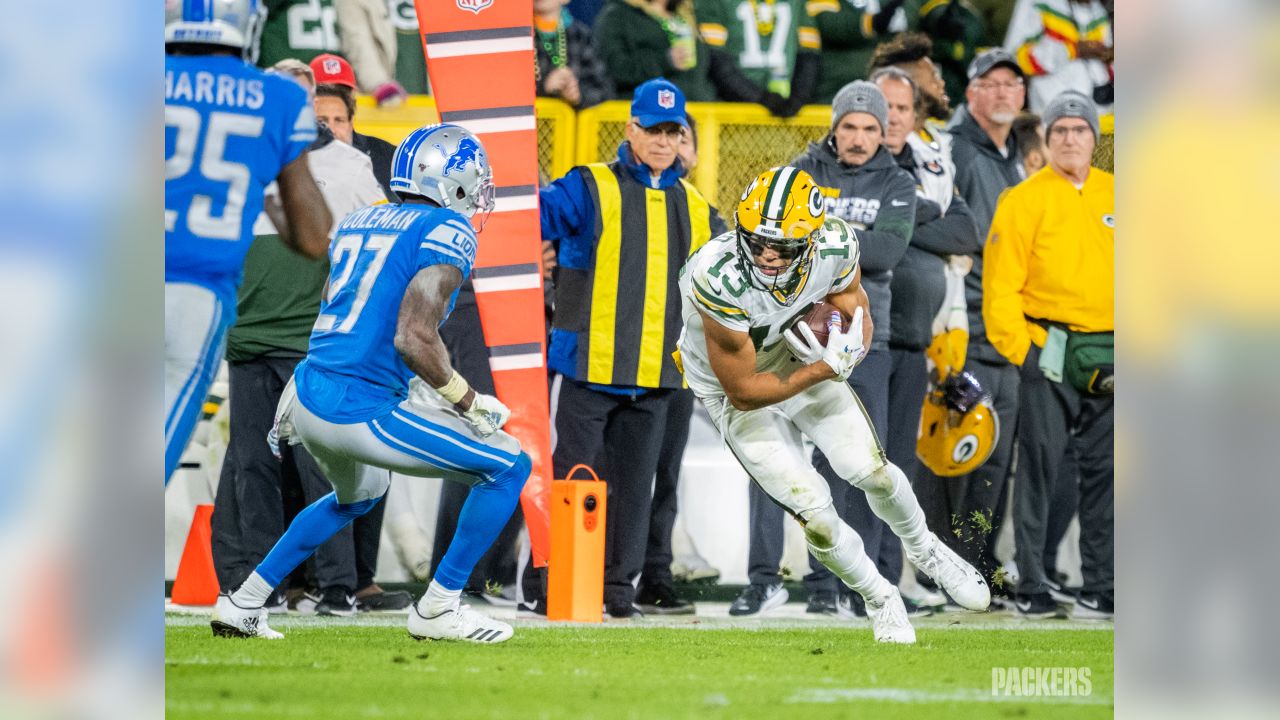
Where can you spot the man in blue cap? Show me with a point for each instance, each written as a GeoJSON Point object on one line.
{"type": "Point", "coordinates": [622, 231]}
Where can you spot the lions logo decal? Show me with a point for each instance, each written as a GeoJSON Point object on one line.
{"type": "Point", "coordinates": [468, 151]}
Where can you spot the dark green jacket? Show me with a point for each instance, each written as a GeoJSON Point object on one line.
{"type": "Point", "coordinates": [849, 36]}
{"type": "Point", "coordinates": [635, 48]}
{"type": "Point", "coordinates": [278, 302]}
{"type": "Point", "coordinates": [957, 32]}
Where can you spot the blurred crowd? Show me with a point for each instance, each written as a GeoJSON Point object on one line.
{"type": "Point", "coordinates": [986, 242]}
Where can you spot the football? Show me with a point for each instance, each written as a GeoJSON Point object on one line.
{"type": "Point", "coordinates": [818, 317]}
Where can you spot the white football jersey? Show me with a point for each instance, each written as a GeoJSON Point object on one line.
{"type": "Point", "coordinates": [935, 170]}
{"type": "Point", "coordinates": [713, 282]}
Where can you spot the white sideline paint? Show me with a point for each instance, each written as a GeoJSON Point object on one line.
{"type": "Point", "coordinates": [711, 616]}
{"type": "Point", "coordinates": [913, 696]}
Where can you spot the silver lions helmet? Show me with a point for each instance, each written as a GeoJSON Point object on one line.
{"type": "Point", "coordinates": [230, 23]}
{"type": "Point", "coordinates": [447, 165]}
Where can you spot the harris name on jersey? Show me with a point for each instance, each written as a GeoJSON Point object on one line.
{"type": "Point", "coordinates": [203, 86]}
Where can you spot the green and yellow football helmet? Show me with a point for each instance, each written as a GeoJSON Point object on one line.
{"type": "Point", "coordinates": [783, 210]}
{"type": "Point", "coordinates": [959, 427]}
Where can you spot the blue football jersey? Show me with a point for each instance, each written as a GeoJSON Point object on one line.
{"type": "Point", "coordinates": [229, 128]}
{"type": "Point", "coordinates": [353, 372]}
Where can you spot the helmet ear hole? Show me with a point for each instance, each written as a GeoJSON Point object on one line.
{"type": "Point", "coordinates": [461, 194]}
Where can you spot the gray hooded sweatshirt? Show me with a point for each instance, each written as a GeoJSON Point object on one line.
{"type": "Point", "coordinates": [982, 174]}
{"type": "Point", "coordinates": [878, 199]}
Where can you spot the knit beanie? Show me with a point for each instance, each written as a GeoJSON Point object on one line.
{"type": "Point", "coordinates": [1072, 104]}
{"type": "Point", "coordinates": [860, 96]}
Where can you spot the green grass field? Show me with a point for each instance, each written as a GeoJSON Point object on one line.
{"type": "Point", "coordinates": [710, 668]}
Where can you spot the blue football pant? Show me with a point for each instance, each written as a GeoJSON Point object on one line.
{"type": "Point", "coordinates": [421, 437]}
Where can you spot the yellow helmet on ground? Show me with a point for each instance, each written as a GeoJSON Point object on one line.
{"type": "Point", "coordinates": [783, 210]}
{"type": "Point", "coordinates": [959, 428]}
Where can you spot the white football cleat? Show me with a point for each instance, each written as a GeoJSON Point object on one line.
{"type": "Point", "coordinates": [889, 619]}
{"type": "Point", "coordinates": [231, 620]}
{"type": "Point", "coordinates": [458, 623]}
{"type": "Point", "coordinates": [961, 581]}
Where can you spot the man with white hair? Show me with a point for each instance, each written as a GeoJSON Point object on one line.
{"type": "Point", "coordinates": [1049, 303]}
{"type": "Point", "coordinates": [987, 162]}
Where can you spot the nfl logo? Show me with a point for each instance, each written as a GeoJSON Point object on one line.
{"type": "Point", "coordinates": [474, 6]}
{"type": "Point", "coordinates": [666, 98]}
{"type": "Point", "coordinates": [331, 66]}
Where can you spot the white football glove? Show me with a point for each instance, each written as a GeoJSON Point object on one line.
{"type": "Point", "coordinates": [804, 344]}
{"type": "Point", "coordinates": [487, 414]}
{"type": "Point", "coordinates": [844, 349]}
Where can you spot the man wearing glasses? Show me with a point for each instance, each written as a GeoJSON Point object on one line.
{"type": "Point", "coordinates": [987, 162]}
{"type": "Point", "coordinates": [622, 230]}
{"type": "Point", "coordinates": [1049, 303]}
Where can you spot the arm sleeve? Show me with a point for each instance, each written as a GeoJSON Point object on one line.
{"type": "Point", "coordinates": [564, 208]}
{"type": "Point", "coordinates": [367, 40]}
{"type": "Point", "coordinates": [847, 238]}
{"type": "Point", "coordinates": [1004, 273]}
{"type": "Point", "coordinates": [807, 35]}
{"type": "Point", "coordinates": [452, 242]}
{"type": "Point", "coordinates": [713, 26]}
{"type": "Point", "coordinates": [731, 85]}
{"type": "Point", "coordinates": [716, 306]}
{"type": "Point", "coordinates": [1038, 51]}
{"type": "Point", "coordinates": [886, 241]}
{"type": "Point", "coordinates": [839, 23]}
{"type": "Point", "coordinates": [951, 234]}
{"type": "Point", "coordinates": [804, 82]}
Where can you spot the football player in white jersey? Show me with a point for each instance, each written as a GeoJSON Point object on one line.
{"type": "Point", "coordinates": [765, 385]}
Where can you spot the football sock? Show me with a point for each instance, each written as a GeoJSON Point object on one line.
{"type": "Point", "coordinates": [437, 600]}
{"type": "Point", "coordinates": [253, 593]}
{"type": "Point", "coordinates": [848, 560]}
{"type": "Point", "coordinates": [488, 508]}
{"type": "Point", "coordinates": [318, 522]}
{"type": "Point", "coordinates": [901, 510]}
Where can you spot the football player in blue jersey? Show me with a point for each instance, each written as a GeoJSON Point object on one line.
{"type": "Point", "coordinates": [229, 130]}
{"type": "Point", "coordinates": [376, 392]}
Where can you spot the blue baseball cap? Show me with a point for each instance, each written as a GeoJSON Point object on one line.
{"type": "Point", "coordinates": [658, 101]}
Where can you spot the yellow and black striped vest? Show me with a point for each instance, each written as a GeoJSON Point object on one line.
{"type": "Point", "coordinates": [625, 307]}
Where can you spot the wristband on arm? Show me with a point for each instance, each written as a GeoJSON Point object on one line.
{"type": "Point", "coordinates": [455, 389]}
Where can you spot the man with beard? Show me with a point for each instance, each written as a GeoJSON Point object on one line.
{"type": "Point", "coordinates": [987, 162]}
{"type": "Point", "coordinates": [911, 52]}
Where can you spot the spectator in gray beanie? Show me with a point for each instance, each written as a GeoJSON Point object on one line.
{"type": "Point", "coordinates": [860, 96]}
{"type": "Point", "coordinates": [1072, 104]}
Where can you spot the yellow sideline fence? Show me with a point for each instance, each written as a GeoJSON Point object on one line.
{"type": "Point", "coordinates": [735, 141]}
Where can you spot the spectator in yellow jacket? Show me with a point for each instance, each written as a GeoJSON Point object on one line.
{"type": "Point", "coordinates": [1049, 307]}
